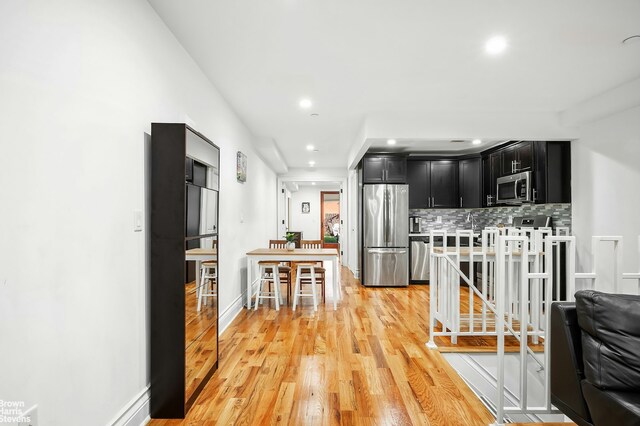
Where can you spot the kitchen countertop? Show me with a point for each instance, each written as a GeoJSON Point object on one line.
{"type": "Point", "coordinates": [452, 234]}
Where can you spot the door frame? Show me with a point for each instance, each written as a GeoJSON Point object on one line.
{"type": "Point", "coordinates": [322, 193]}
{"type": "Point", "coordinates": [338, 178]}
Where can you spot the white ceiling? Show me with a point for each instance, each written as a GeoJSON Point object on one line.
{"type": "Point", "coordinates": [419, 146]}
{"type": "Point", "coordinates": [295, 186]}
{"type": "Point", "coordinates": [360, 59]}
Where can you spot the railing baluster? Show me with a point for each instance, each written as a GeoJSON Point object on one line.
{"type": "Point", "coordinates": [525, 292]}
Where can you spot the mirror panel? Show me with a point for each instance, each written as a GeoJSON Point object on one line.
{"type": "Point", "coordinates": [201, 318]}
{"type": "Point", "coordinates": [201, 281]}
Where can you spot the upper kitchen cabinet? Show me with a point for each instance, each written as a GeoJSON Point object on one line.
{"type": "Point", "coordinates": [419, 180]}
{"type": "Point", "coordinates": [517, 158]}
{"type": "Point", "coordinates": [444, 183]}
{"type": "Point", "coordinates": [384, 169]}
{"type": "Point", "coordinates": [469, 182]}
{"type": "Point", "coordinates": [432, 184]}
{"type": "Point", "coordinates": [491, 170]}
{"type": "Point", "coordinates": [549, 162]}
{"type": "Point", "coordinates": [552, 173]}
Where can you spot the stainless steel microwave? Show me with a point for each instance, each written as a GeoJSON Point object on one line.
{"type": "Point", "coordinates": [514, 189]}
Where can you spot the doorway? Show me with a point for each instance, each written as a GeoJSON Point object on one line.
{"type": "Point", "coordinates": [330, 228]}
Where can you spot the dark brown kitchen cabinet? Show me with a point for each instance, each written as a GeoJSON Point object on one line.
{"type": "Point", "coordinates": [517, 158]}
{"type": "Point", "coordinates": [384, 169]}
{"type": "Point", "coordinates": [419, 180]}
{"type": "Point", "coordinates": [432, 184]}
{"type": "Point", "coordinates": [444, 184]}
{"type": "Point", "coordinates": [491, 170]}
{"type": "Point", "coordinates": [549, 162]}
{"type": "Point", "coordinates": [469, 182]}
{"type": "Point", "coordinates": [552, 173]}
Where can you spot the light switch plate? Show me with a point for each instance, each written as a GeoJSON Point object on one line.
{"type": "Point", "coordinates": [137, 221]}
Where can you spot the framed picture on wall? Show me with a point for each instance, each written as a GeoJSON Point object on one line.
{"type": "Point", "coordinates": [306, 207]}
{"type": "Point", "coordinates": [242, 167]}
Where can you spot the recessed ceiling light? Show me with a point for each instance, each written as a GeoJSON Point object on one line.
{"type": "Point", "coordinates": [315, 114]}
{"type": "Point", "coordinates": [391, 141]}
{"type": "Point", "coordinates": [305, 103]}
{"type": "Point", "coordinates": [476, 141]}
{"type": "Point", "coordinates": [312, 163]}
{"type": "Point", "coordinates": [313, 183]}
{"type": "Point", "coordinates": [310, 147]}
{"type": "Point", "coordinates": [495, 45]}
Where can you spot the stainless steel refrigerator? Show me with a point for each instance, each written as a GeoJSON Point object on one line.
{"type": "Point", "coordinates": [386, 235]}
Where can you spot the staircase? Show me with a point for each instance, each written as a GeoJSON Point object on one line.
{"type": "Point", "coordinates": [518, 286]}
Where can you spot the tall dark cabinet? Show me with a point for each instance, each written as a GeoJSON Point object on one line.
{"type": "Point", "coordinates": [184, 215]}
{"type": "Point", "coordinates": [469, 180]}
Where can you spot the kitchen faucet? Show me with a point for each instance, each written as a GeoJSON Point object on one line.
{"type": "Point", "coordinates": [471, 218]}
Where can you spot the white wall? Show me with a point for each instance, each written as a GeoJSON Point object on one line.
{"type": "Point", "coordinates": [309, 223]}
{"type": "Point", "coordinates": [606, 184]}
{"type": "Point", "coordinates": [80, 83]}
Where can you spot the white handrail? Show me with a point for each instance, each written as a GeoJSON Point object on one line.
{"type": "Point", "coordinates": [521, 277]}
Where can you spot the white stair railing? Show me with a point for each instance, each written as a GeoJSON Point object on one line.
{"type": "Point", "coordinates": [521, 277]}
{"type": "Point", "coordinates": [536, 282]}
{"type": "Point", "coordinates": [527, 280]}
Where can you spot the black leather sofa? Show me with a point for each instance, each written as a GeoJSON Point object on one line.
{"type": "Point", "coordinates": [595, 359]}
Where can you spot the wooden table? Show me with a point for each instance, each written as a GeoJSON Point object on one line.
{"type": "Point", "coordinates": [200, 255]}
{"type": "Point", "coordinates": [296, 255]}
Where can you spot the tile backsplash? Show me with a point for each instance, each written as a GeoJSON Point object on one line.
{"type": "Point", "coordinates": [453, 219]}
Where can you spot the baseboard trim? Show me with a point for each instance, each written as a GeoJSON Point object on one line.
{"type": "Point", "coordinates": [136, 412]}
{"type": "Point", "coordinates": [226, 318]}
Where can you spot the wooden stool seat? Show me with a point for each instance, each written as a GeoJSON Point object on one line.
{"type": "Point", "coordinates": [317, 268]}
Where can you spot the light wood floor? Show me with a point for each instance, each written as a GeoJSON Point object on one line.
{"type": "Point", "coordinates": [201, 331]}
{"type": "Point", "coordinates": [365, 363]}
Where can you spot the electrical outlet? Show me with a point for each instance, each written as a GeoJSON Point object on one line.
{"type": "Point", "coordinates": [510, 219]}
{"type": "Point", "coordinates": [29, 417]}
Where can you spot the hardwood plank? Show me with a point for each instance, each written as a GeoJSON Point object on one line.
{"type": "Point", "coordinates": [364, 364]}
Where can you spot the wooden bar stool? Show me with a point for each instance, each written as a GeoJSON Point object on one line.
{"type": "Point", "coordinates": [305, 272]}
{"type": "Point", "coordinates": [285, 267]}
{"type": "Point", "coordinates": [320, 272]}
{"type": "Point", "coordinates": [208, 280]}
{"type": "Point", "coordinates": [269, 273]}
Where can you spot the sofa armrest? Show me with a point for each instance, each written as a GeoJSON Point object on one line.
{"type": "Point", "coordinates": [567, 370]}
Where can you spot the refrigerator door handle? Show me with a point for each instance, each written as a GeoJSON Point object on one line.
{"type": "Point", "coordinates": [394, 251]}
{"type": "Point", "coordinates": [387, 196]}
